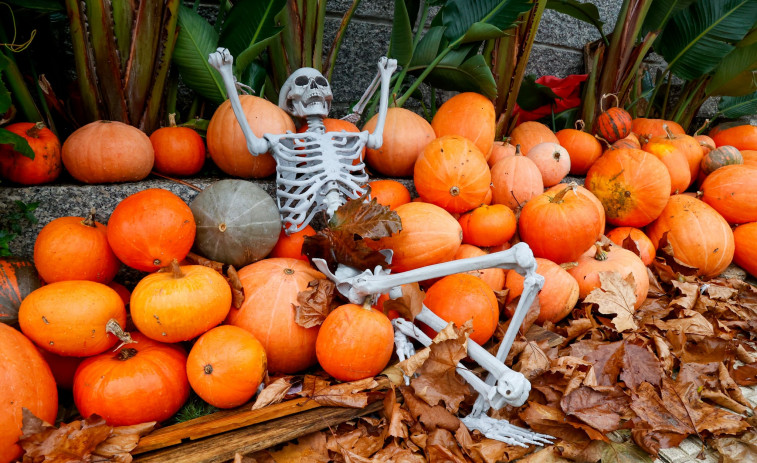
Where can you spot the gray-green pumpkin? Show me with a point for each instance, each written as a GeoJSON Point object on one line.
{"type": "Point", "coordinates": [237, 222]}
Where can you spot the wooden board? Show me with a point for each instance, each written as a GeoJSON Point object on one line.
{"type": "Point", "coordinates": [222, 447]}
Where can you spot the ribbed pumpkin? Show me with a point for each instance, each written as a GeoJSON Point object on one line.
{"type": "Point", "coordinates": [227, 145]}
{"type": "Point", "coordinates": [149, 229]}
{"type": "Point", "coordinates": [469, 115]}
{"type": "Point", "coordinates": [750, 157]}
{"type": "Point", "coordinates": [530, 134]}
{"type": "Point", "coordinates": [723, 156]}
{"type": "Point", "coordinates": [742, 137]}
{"type": "Point", "coordinates": [642, 242]}
{"type": "Point", "coordinates": [488, 225]}
{"type": "Point", "coordinates": [632, 185]}
{"type": "Point", "coordinates": [493, 277]}
{"type": "Point", "coordinates": [611, 258]}
{"type": "Point", "coordinates": [354, 342]}
{"type": "Point", "coordinates": [226, 365]}
{"type": "Point", "coordinates": [646, 128]}
{"type": "Point", "coordinates": [745, 255]}
{"type": "Point", "coordinates": [500, 150]}
{"type": "Point", "coordinates": [18, 278]}
{"type": "Point", "coordinates": [552, 160]}
{"type": "Point", "coordinates": [583, 148]}
{"type": "Point", "coordinates": [178, 150]}
{"type": "Point", "coordinates": [237, 222]}
{"type": "Point", "coordinates": [429, 235]}
{"type": "Point", "coordinates": [108, 152]}
{"type": "Point", "coordinates": [515, 180]}
{"type": "Point", "coordinates": [180, 304]}
{"type": "Point", "coordinates": [75, 248]}
{"type": "Point", "coordinates": [144, 381]}
{"type": "Point", "coordinates": [613, 124]}
{"type": "Point", "coordinates": [46, 165]}
{"type": "Point", "coordinates": [270, 288]}
{"type": "Point", "coordinates": [700, 237]}
{"type": "Point", "coordinates": [561, 223]}
{"type": "Point", "coordinates": [732, 191]}
{"type": "Point", "coordinates": [629, 142]}
{"type": "Point", "coordinates": [557, 297]}
{"type": "Point", "coordinates": [452, 174]}
{"type": "Point", "coordinates": [675, 161]}
{"type": "Point", "coordinates": [70, 317]}
{"type": "Point", "coordinates": [405, 135]}
{"type": "Point", "coordinates": [25, 382]}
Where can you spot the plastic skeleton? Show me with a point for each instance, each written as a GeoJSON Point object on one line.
{"type": "Point", "coordinates": [315, 172]}
{"type": "Point", "coordinates": [314, 169]}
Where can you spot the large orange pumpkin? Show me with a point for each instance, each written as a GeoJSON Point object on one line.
{"type": "Point", "coordinates": [46, 165]}
{"type": "Point", "coordinates": [180, 304]}
{"type": "Point", "coordinates": [561, 223]}
{"type": "Point", "coordinates": [452, 174]}
{"type": "Point", "coordinates": [646, 128]}
{"type": "Point", "coordinates": [469, 115]}
{"type": "Point", "coordinates": [71, 317]}
{"type": "Point", "coordinates": [583, 148]}
{"type": "Point", "coordinates": [75, 248]}
{"type": "Point", "coordinates": [108, 152]}
{"type": "Point", "coordinates": [515, 180]}
{"type": "Point", "coordinates": [632, 185]}
{"type": "Point", "coordinates": [557, 297]}
{"type": "Point", "coordinates": [270, 289]}
{"type": "Point", "coordinates": [405, 135]}
{"type": "Point", "coordinates": [749, 157]}
{"type": "Point", "coordinates": [743, 137]}
{"type": "Point", "coordinates": [18, 278]}
{"type": "Point", "coordinates": [530, 134]}
{"type": "Point", "coordinates": [25, 382]}
{"type": "Point", "coordinates": [745, 255]}
{"type": "Point", "coordinates": [675, 161]}
{"type": "Point", "coordinates": [143, 381]}
{"type": "Point", "coordinates": [699, 236]}
{"type": "Point", "coordinates": [227, 145]}
{"type": "Point", "coordinates": [149, 229]}
{"type": "Point", "coordinates": [732, 191]}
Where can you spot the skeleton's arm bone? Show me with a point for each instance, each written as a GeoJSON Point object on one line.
{"type": "Point", "coordinates": [386, 68]}
{"type": "Point", "coordinates": [223, 61]}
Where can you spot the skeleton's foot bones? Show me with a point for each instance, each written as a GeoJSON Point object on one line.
{"type": "Point", "coordinates": [503, 431]}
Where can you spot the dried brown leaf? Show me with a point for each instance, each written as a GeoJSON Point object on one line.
{"type": "Point", "coordinates": [355, 394]}
{"type": "Point", "coordinates": [442, 447]}
{"type": "Point", "coordinates": [689, 323]}
{"type": "Point", "coordinates": [340, 247]}
{"type": "Point", "coordinates": [604, 408]}
{"type": "Point", "coordinates": [640, 365]}
{"type": "Point", "coordinates": [689, 294]}
{"type": "Point", "coordinates": [315, 303]}
{"type": "Point", "coordinates": [71, 441]}
{"type": "Point", "coordinates": [737, 449]}
{"type": "Point", "coordinates": [624, 452]}
{"type": "Point", "coordinates": [552, 421]}
{"type": "Point", "coordinates": [273, 393]}
{"type": "Point", "coordinates": [667, 265]}
{"type": "Point", "coordinates": [545, 455]}
{"type": "Point", "coordinates": [122, 440]}
{"type": "Point", "coordinates": [605, 357]}
{"type": "Point", "coordinates": [356, 443]}
{"type": "Point", "coordinates": [396, 416]}
{"type": "Point", "coordinates": [367, 219]}
{"type": "Point", "coordinates": [533, 361]}
{"type": "Point", "coordinates": [410, 304]}
{"type": "Point", "coordinates": [616, 296]}
{"type": "Point", "coordinates": [310, 448]}
{"type": "Point", "coordinates": [430, 417]}
{"type": "Point", "coordinates": [745, 375]}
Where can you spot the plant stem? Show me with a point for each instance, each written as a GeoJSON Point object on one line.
{"type": "Point", "coordinates": [311, 13]}
{"type": "Point", "coordinates": [18, 88]}
{"type": "Point", "coordinates": [318, 47]}
{"type": "Point", "coordinates": [657, 86]}
{"type": "Point", "coordinates": [337, 43]}
{"type": "Point", "coordinates": [401, 100]}
{"type": "Point", "coordinates": [223, 8]}
{"type": "Point", "coordinates": [667, 95]}
{"type": "Point", "coordinates": [48, 115]}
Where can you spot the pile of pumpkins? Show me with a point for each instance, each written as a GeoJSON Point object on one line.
{"type": "Point", "coordinates": [475, 195]}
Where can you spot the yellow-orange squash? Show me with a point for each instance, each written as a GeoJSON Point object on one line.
{"type": "Point", "coordinates": [469, 115]}
{"type": "Point", "coordinates": [557, 297]}
{"type": "Point", "coordinates": [405, 135]}
{"type": "Point", "coordinates": [732, 191]}
{"type": "Point", "coordinates": [745, 255]}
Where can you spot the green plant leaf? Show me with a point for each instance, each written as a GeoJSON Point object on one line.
{"type": "Point", "coordinates": [428, 47]}
{"type": "Point", "coordinates": [699, 37]}
{"type": "Point", "coordinates": [402, 35]}
{"type": "Point", "coordinates": [5, 95]}
{"type": "Point", "coordinates": [734, 107]}
{"type": "Point", "coordinates": [17, 142]}
{"type": "Point", "coordinates": [735, 76]}
{"type": "Point", "coordinates": [660, 12]}
{"type": "Point", "coordinates": [586, 12]}
{"type": "Point", "coordinates": [45, 6]}
{"type": "Point", "coordinates": [474, 20]}
{"type": "Point", "coordinates": [473, 75]}
{"type": "Point", "coordinates": [196, 41]}
{"type": "Point", "coordinates": [533, 95]}
{"type": "Point", "coordinates": [248, 28]}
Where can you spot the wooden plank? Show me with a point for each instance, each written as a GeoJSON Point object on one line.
{"type": "Point", "coordinates": [220, 422]}
{"type": "Point", "coordinates": [222, 447]}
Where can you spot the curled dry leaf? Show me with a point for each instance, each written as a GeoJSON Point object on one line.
{"type": "Point", "coordinates": [616, 296]}
{"type": "Point", "coordinates": [310, 448]}
{"type": "Point", "coordinates": [273, 393]}
{"type": "Point", "coordinates": [355, 394]}
{"type": "Point", "coordinates": [737, 449]}
{"type": "Point", "coordinates": [410, 304]}
{"type": "Point", "coordinates": [315, 303]}
{"type": "Point", "coordinates": [533, 361]}
{"type": "Point", "coordinates": [230, 274]}
{"type": "Point", "coordinates": [430, 417]}
{"type": "Point", "coordinates": [396, 416]}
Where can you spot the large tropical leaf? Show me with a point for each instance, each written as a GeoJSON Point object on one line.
{"type": "Point", "coordinates": [735, 76]}
{"type": "Point", "coordinates": [475, 20]}
{"type": "Point", "coordinates": [428, 47]}
{"type": "Point", "coordinates": [460, 71]}
{"type": "Point", "coordinates": [735, 107]}
{"type": "Point", "coordinates": [17, 142]}
{"type": "Point", "coordinates": [248, 29]}
{"type": "Point", "coordinates": [586, 12]}
{"type": "Point", "coordinates": [699, 37]}
{"type": "Point", "coordinates": [196, 41]}
{"type": "Point", "coordinates": [402, 35]}
{"type": "Point", "coordinates": [660, 13]}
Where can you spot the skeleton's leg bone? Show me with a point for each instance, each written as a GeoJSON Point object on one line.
{"type": "Point", "coordinates": [503, 431]}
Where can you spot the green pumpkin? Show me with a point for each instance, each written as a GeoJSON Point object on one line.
{"type": "Point", "coordinates": [725, 155]}
{"type": "Point", "coordinates": [18, 278]}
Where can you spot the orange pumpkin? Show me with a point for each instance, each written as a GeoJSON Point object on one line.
{"type": "Point", "coordinates": [178, 150]}
{"type": "Point", "coordinates": [642, 242]}
{"type": "Point", "coordinates": [452, 174]}
{"type": "Point", "coordinates": [46, 165]}
{"type": "Point", "coordinates": [25, 382]}
{"type": "Point", "coordinates": [610, 259]}
{"type": "Point", "coordinates": [675, 161]}
{"type": "Point", "coordinates": [291, 245]}
{"type": "Point", "coordinates": [515, 181]}
{"type": "Point", "coordinates": [270, 289]}
{"type": "Point", "coordinates": [405, 135]}
{"type": "Point", "coordinates": [613, 124]}
{"type": "Point", "coordinates": [144, 381]}
{"type": "Point", "coordinates": [70, 317]}
{"type": "Point", "coordinates": [583, 148]}
{"type": "Point", "coordinates": [732, 191]}
{"type": "Point", "coordinates": [354, 342]}
{"type": "Point", "coordinates": [75, 248]}
{"type": "Point", "coordinates": [743, 137]}
{"type": "Point", "coordinates": [180, 304]}
{"type": "Point", "coordinates": [108, 152]}
{"type": "Point", "coordinates": [552, 160]}
{"type": "Point", "coordinates": [500, 150]}
{"type": "Point", "coordinates": [493, 277]}
{"type": "Point", "coordinates": [699, 236]}
{"type": "Point", "coordinates": [629, 142]}
{"type": "Point", "coordinates": [530, 134]}
{"type": "Point", "coordinates": [18, 278]}
{"type": "Point", "coordinates": [469, 115]}
{"type": "Point", "coordinates": [389, 193]}
{"type": "Point", "coordinates": [225, 366]}
{"type": "Point", "coordinates": [745, 255]}
{"type": "Point", "coordinates": [561, 222]}
{"type": "Point", "coordinates": [149, 229]}
{"type": "Point", "coordinates": [690, 147]}
{"type": "Point", "coordinates": [749, 157]}
{"type": "Point", "coordinates": [63, 368]}
{"type": "Point", "coordinates": [227, 145]}
{"type": "Point", "coordinates": [646, 128]}
{"type": "Point", "coordinates": [706, 143]}
{"type": "Point", "coordinates": [488, 225]}
{"type": "Point", "coordinates": [632, 185]}
{"type": "Point", "coordinates": [557, 297]}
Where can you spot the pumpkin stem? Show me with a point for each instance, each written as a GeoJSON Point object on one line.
{"type": "Point", "coordinates": [517, 150]}
{"type": "Point", "coordinates": [602, 101]}
{"type": "Point", "coordinates": [601, 254]}
{"type": "Point", "coordinates": [579, 125]}
{"type": "Point", "coordinates": [90, 220]}
{"type": "Point", "coordinates": [208, 369]}
{"type": "Point", "coordinates": [454, 191]}
{"type": "Point", "coordinates": [176, 269]}
{"type": "Point", "coordinates": [126, 353]}
{"type": "Point", "coordinates": [558, 198]}
{"type": "Point", "coordinates": [172, 120]}
{"type": "Point", "coordinates": [33, 131]}
{"type": "Point", "coordinates": [115, 329]}
{"type": "Point", "coordinates": [667, 131]}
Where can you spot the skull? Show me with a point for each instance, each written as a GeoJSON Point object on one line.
{"type": "Point", "coordinates": [306, 93]}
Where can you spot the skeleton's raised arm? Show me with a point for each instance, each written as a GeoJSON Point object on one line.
{"type": "Point", "coordinates": [223, 62]}
{"type": "Point", "coordinates": [386, 67]}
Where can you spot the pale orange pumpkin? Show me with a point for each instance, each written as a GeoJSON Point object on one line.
{"type": "Point", "coordinates": [515, 181]}
{"type": "Point", "coordinates": [469, 115]}
{"type": "Point", "coordinates": [530, 134]}
{"type": "Point", "coordinates": [642, 242]}
{"type": "Point", "coordinates": [557, 297]}
{"type": "Point", "coordinates": [405, 135]}
{"type": "Point", "coordinates": [552, 160]}
{"type": "Point", "coordinates": [500, 150]}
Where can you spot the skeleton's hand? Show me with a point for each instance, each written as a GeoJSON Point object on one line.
{"type": "Point", "coordinates": [221, 59]}
{"type": "Point", "coordinates": [386, 67]}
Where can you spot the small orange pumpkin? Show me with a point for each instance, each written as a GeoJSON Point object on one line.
{"type": "Point", "coordinates": [552, 160]}
{"type": "Point", "coordinates": [613, 124]}
{"type": "Point", "coordinates": [500, 150]}
{"type": "Point", "coordinates": [178, 150]}
{"type": "Point", "coordinates": [291, 245]}
{"type": "Point", "coordinates": [583, 148]}
{"type": "Point", "coordinates": [675, 161]}
{"type": "Point", "coordinates": [493, 277]}
{"type": "Point", "coordinates": [530, 134]}
{"type": "Point", "coordinates": [515, 181]}
{"type": "Point", "coordinates": [642, 242]}
{"type": "Point", "coordinates": [46, 165]}
{"type": "Point", "coordinates": [722, 156]}
{"type": "Point", "coordinates": [488, 225]}
{"type": "Point", "coordinates": [646, 128]}
{"type": "Point", "coordinates": [745, 255]}
{"type": "Point", "coordinates": [557, 297]}
{"type": "Point", "coordinates": [389, 193]}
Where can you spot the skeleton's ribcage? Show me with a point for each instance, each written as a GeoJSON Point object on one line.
{"type": "Point", "coordinates": [309, 166]}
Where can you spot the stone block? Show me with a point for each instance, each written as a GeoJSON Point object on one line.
{"type": "Point", "coordinates": [566, 31]}
{"type": "Point", "coordinates": [550, 60]}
